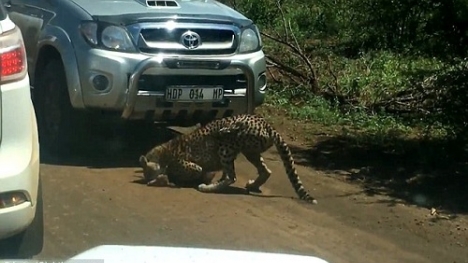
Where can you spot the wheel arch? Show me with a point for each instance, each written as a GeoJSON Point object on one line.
{"type": "Point", "coordinates": [56, 45]}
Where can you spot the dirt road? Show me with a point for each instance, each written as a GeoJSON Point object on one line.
{"type": "Point", "coordinates": [94, 200]}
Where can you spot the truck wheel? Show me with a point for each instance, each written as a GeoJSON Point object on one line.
{"type": "Point", "coordinates": [60, 125]}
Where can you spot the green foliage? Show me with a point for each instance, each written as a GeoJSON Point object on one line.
{"type": "Point", "coordinates": [389, 67]}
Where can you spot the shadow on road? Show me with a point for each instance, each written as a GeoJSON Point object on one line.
{"type": "Point", "coordinates": [425, 173]}
{"type": "Point", "coordinates": [230, 190]}
{"type": "Point", "coordinates": [112, 147]}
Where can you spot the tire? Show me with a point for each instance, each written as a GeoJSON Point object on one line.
{"type": "Point", "coordinates": [60, 126]}
{"type": "Point", "coordinates": [30, 242]}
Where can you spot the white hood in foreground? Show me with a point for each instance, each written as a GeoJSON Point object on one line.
{"type": "Point", "coordinates": [152, 254]}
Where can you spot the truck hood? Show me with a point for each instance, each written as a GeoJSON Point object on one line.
{"type": "Point", "coordinates": [131, 10]}
{"type": "Point", "coordinates": [119, 253]}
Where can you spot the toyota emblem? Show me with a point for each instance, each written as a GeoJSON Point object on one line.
{"type": "Point", "coordinates": [190, 40]}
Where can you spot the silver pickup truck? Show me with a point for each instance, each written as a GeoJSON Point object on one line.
{"type": "Point", "coordinates": [177, 62]}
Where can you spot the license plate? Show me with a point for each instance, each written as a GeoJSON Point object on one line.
{"type": "Point", "coordinates": [194, 93]}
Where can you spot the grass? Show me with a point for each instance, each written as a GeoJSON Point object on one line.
{"type": "Point", "coordinates": [399, 156]}
{"type": "Point", "coordinates": [368, 80]}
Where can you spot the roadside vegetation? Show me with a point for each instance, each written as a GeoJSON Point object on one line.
{"type": "Point", "coordinates": [392, 74]}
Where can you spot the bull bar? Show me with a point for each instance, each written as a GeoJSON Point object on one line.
{"type": "Point", "coordinates": [132, 91]}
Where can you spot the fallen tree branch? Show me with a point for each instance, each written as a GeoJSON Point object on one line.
{"type": "Point", "coordinates": [286, 68]}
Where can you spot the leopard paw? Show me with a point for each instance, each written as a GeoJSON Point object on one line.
{"type": "Point", "coordinates": [215, 187]}
{"type": "Point", "coordinates": [202, 187]}
{"type": "Point", "coordinates": [250, 187]}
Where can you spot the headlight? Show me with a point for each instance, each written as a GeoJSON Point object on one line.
{"type": "Point", "coordinates": [111, 37]}
{"type": "Point", "coordinates": [115, 37]}
{"type": "Point", "coordinates": [249, 41]}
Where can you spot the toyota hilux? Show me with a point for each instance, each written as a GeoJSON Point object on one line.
{"type": "Point", "coordinates": [175, 62]}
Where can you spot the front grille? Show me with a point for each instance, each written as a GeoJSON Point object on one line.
{"type": "Point", "coordinates": [207, 35]}
{"type": "Point", "coordinates": [160, 82]}
{"type": "Point", "coordinates": [214, 40]}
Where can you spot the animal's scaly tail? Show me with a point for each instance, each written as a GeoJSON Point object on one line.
{"type": "Point", "coordinates": [288, 161]}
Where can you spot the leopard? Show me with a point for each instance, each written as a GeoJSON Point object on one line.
{"type": "Point", "coordinates": [193, 158]}
{"type": "Point", "coordinates": [184, 161]}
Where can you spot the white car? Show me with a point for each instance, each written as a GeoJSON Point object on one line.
{"type": "Point", "coordinates": [140, 254]}
{"type": "Point", "coordinates": [21, 222]}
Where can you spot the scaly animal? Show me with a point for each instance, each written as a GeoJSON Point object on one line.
{"type": "Point", "coordinates": [155, 176]}
{"type": "Point", "coordinates": [194, 157]}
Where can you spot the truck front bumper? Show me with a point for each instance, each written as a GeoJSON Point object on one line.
{"type": "Point", "coordinates": [124, 72]}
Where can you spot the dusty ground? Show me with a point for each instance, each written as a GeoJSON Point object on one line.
{"type": "Point", "coordinates": [95, 200]}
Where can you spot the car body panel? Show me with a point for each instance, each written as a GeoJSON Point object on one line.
{"type": "Point", "coordinates": [138, 8]}
{"type": "Point", "coordinates": [19, 152]}
{"type": "Point", "coordinates": [122, 253]}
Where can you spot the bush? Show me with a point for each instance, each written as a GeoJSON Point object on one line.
{"type": "Point", "coordinates": [368, 63]}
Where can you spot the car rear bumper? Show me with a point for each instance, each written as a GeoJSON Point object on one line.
{"type": "Point", "coordinates": [16, 219]}
{"type": "Point", "coordinates": [19, 156]}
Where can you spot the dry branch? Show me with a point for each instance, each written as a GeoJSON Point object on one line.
{"type": "Point", "coordinates": [414, 101]}
{"type": "Point", "coordinates": [310, 76]}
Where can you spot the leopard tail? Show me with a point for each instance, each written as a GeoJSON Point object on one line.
{"type": "Point", "coordinates": [288, 161]}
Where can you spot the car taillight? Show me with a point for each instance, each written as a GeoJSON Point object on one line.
{"type": "Point", "coordinates": [13, 63]}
